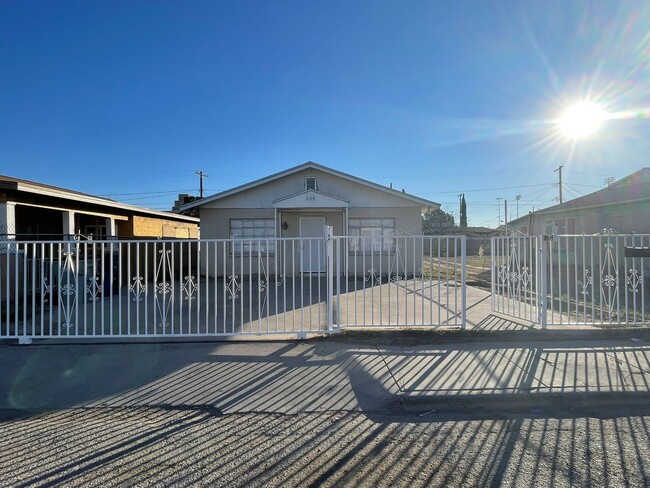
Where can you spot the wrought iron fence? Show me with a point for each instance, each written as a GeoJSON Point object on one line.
{"type": "Point", "coordinates": [96, 289]}
{"type": "Point", "coordinates": [416, 281]}
{"type": "Point", "coordinates": [578, 279]}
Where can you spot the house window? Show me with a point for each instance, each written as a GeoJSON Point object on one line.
{"type": "Point", "coordinates": [310, 183]}
{"type": "Point", "coordinates": [372, 234]}
{"type": "Point", "coordinates": [249, 235]}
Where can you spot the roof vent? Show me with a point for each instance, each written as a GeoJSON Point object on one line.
{"type": "Point", "coordinates": [310, 183]}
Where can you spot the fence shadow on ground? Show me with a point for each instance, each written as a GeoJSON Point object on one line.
{"type": "Point", "coordinates": [313, 414]}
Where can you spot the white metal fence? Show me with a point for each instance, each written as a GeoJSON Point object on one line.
{"type": "Point", "coordinates": [573, 279]}
{"type": "Point", "coordinates": [400, 281]}
{"type": "Point", "coordinates": [177, 288]}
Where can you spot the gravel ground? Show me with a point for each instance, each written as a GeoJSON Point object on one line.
{"type": "Point", "coordinates": [163, 447]}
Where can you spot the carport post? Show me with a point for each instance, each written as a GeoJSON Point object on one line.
{"type": "Point", "coordinates": [329, 276]}
{"type": "Point", "coordinates": [463, 282]}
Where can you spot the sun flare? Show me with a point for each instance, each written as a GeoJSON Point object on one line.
{"type": "Point", "coordinates": [581, 120]}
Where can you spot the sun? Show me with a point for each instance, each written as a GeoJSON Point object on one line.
{"type": "Point", "coordinates": [581, 120]}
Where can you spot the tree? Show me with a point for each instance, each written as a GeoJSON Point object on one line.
{"type": "Point", "coordinates": [436, 222]}
{"type": "Point", "coordinates": [463, 212]}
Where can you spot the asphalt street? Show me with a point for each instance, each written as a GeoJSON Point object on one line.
{"type": "Point", "coordinates": [543, 411]}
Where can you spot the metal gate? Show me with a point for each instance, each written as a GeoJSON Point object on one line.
{"type": "Point", "coordinates": [572, 279]}
{"type": "Point", "coordinates": [181, 288]}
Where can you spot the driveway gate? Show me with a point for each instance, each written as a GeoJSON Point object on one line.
{"type": "Point", "coordinates": [207, 288]}
{"type": "Point", "coordinates": [572, 279]}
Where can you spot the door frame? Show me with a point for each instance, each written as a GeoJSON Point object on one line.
{"type": "Point", "coordinates": [305, 244]}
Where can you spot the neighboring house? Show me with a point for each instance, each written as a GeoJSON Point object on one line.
{"type": "Point", "coordinates": [301, 201]}
{"type": "Point", "coordinates": [478, 238]}
{"type": "Point", "coordinates": [34, 211]}
{"type": "Point", "coordinates": [624, 207]}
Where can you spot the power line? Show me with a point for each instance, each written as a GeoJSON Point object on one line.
{"type": "Point", "coordinates": [485, 189]}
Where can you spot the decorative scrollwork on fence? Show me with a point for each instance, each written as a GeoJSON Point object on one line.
{"type": "Point", "coordinates": [138, 288]}
{"type": "Point", "coordinates": [94, 289]}
{"type": "Point", "coordinates": [372, 277]}
{"type": "Point", "coordinates": [633, 280]}
{"type": "Point", "coordinates": [68, 288]}
{"type": "Point", "coordinates": [189, 287]}
{"type": "Point", "coordinates": [395, 279]}
{"type": "Point", "coordinates": [46, 290]}
{"type": "Point", "coordinates": [503, 274]}
{"type": "Point", "coordinates": [585, 283]}
{"type": "Point", "coordinates": [609, 278]}
{"type": "Point", "coordinates": [233, 286]}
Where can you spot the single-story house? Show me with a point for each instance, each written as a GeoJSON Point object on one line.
{"type": "Point", "coordinates": [301, 201]}
{"type": "Point", "coordinates": [623, 206]}
{"type": "Point", "coordinates": [35, 211]}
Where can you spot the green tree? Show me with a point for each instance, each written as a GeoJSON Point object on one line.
{"type": "Point", "coordinates": [436, 222]}
{"type": "Point", "coordinates": [463, 211]}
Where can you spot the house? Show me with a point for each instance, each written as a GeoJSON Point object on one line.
{"type": "Point", "coordinates": [624, 207]}
{"type": "Point", "coordinates": [301, 201]}
{"type": "Point", "coordinates": [478, 238]}
{"type": "Point", "coordinates": [35, 211]}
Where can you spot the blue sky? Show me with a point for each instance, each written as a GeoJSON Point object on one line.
{"type": "Point", "coordinates": [128, 99]}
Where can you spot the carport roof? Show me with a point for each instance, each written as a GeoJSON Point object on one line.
{"type": "Point", "coordinates": [12, 184]}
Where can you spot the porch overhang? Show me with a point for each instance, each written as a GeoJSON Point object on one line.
{"type": "Point", "coordinates": [310, 199]}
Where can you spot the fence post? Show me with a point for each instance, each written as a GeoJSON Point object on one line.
{"type": "Point", "coordinates": [463, 281]}
{"type": "Point", "coordinates": [329, 246]}
{"type": "Point", "coordinates": [493, 260]}
{"type": "Point", "coordinates": [542, 306]}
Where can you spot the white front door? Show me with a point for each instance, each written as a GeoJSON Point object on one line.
{"type": "Point", "coordinates": [312, 250]}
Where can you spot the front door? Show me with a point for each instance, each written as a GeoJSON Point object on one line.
{"type": "Point", "coordinates": [312, 250]}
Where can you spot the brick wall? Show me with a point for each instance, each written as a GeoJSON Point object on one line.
{"type": "Point", "coordinates": [153, 227]}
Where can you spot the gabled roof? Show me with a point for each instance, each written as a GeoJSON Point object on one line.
{"type": "Point", "coordinates": [633, 187]}
{"type": "Point", "coordinates": [26, 186]}
{"type": "Point", "coordinates": [310, 165]}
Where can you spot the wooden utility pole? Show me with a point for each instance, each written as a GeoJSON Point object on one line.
{"type": "Point", "coordinates": [201, 176]}
{"type": "Point", "coordinates": [559, 170]}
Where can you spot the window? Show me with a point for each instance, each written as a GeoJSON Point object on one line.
{"type": "Point", "coordinates": [372, 234]}
{"type": "Point", "coordinates": [251, 233]}
{"type": "Point", "coordinates": [310, 183]}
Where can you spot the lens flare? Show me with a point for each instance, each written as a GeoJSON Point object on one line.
{"type": "Point", "coordinates": [581, 120]}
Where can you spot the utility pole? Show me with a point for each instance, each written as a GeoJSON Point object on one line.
{"type": "Point", "coordinates": [517, 198]}
{"type": "Point", "coordinates": [499, 202]}
{"type": "Point", "coordinates": [559, 170]}
{"type": "Point", "coordinates": [201, 176]}
{"type": "Point", "coordinates": [505, 217]}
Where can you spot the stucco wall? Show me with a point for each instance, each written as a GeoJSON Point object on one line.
{"type": "Point", "coordinates": [624, 219]}
{"type": "Point", "coordinates": [215, 224]}
{"type": "Point", "coordinates": [257, 203]}
{"type": "Point", "coordinates": [356, 194]}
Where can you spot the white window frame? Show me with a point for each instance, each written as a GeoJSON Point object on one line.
{"type": "Point", "coordinates": [378, 233]}
{"type": "Point", "coordinates": [252, 235]}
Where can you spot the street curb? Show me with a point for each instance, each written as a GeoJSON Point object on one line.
{"type": "Point", "coordinates": [528, 401]}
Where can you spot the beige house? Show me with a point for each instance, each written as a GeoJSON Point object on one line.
{"type": "Point", "coordinates": [624, 207]}
{"type": "Point", "coordinates": [301, 202]}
